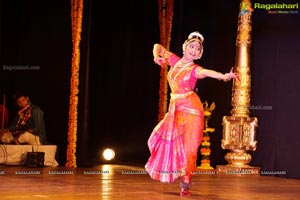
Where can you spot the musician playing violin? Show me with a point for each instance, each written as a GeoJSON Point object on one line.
{"type": "Point", "coordinates": [28, 127]}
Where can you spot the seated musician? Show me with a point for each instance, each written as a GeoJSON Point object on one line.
{"type": "Point", "coordinates": [28, 127]}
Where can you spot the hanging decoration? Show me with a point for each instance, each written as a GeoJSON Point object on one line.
{"type": "Point", "coordinates": [76, 23]}
{"type": "Point", "coordinates": [165, 23]}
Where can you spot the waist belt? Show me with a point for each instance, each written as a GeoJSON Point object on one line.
{"type": "Point", "coordinates": [175, 96]}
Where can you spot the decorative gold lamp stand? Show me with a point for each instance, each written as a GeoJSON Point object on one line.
{"type": "Point", "coordinates": [239, 129]}
{"type": "Point", "coordinates": [205, 145]}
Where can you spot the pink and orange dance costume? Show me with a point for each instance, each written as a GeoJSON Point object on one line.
{"type": "Point", "coordinates": [174, 142]}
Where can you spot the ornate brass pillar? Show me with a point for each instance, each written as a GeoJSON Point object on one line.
{"type": "Point", "coordinates": [239, 129]}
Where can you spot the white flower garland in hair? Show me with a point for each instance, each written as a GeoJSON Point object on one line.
{"type": "Point", "coordinates": [197, 34]}
{"type": "Point", "coordinates": [191, 35]}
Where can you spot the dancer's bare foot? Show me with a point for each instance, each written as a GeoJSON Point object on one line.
{"type": "Point", "coordinates": [185, 193]}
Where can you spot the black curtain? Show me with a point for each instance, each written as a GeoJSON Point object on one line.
{"type": "Point", "coordinates": [275, 91]}
{"type": "Point", "coordinates": [36, 50]}
{"type": "Point", "coordinates": [123, 82]}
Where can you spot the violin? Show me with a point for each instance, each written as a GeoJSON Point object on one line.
{"type": "Point", "coordinates": [24, 115]}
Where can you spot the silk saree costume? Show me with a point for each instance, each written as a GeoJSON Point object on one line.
{"type": "Point", "coordinates": [175, 140]}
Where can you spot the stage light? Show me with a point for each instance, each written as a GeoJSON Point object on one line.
{"type": "Point", "coordinates": [108, 154]}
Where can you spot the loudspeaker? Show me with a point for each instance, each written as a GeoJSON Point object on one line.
{"type": "Point", "coordinates": [35, 159]}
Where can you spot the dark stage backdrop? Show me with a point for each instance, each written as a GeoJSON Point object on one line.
{"type": "Point", "coordinates": [275, 91]}
{"type": "Point", "coordinates": [36, 50]}
{"type": "Point", "coordinates": [120, 83]}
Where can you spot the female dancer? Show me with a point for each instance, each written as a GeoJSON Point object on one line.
{"type": "Point", "coordinates": [174, 142]}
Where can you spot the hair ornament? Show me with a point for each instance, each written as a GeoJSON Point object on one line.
{"type": "Point", "coordinates": [194, 36]}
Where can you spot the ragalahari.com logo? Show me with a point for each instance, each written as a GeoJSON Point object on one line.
{"type": "Point", "coordinates": [246, 7]}
{"type": "Point", "coordinates": [277, 8]}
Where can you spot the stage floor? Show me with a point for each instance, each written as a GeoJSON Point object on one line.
{"type": "Point", "coordinates": [130, 182]}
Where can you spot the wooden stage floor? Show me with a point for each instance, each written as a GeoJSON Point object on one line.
{"type": "Point", "coordinates": [130, 182]}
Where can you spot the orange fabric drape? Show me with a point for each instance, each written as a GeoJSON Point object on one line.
{"type": "Point", "coordinates": [165, 24]}
{"type": "Point", "coordinates": [76, 23]}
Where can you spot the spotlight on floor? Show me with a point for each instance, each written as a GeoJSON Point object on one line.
{"type": "Point", "coordinates": [108, 154]}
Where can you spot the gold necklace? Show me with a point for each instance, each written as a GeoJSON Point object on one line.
{"type": "Point", "coordinates": [182, 68]}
